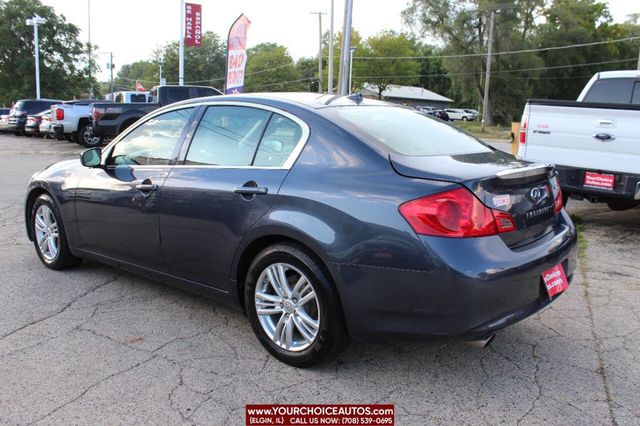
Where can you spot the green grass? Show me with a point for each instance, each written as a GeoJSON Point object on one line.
{"type": "Point", "coordinates": [490, 132]}
{"type": "Point", "coordinates": [582, 242]}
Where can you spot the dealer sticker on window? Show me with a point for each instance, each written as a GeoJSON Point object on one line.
{"type": "Point", "coordinates": [555, 280]}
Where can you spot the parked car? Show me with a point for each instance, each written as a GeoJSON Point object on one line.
{"type": "Point", "coordinates": [24, 107]}
{"type": "Point", "coordinates": [109, 120]}
{"type": "Point", "coordinates": [45, 126]}
{"type": "Point", "coordinates": [72, 121]}
{"type": "Point", "coordinates": [473, 112]}
{"type": "Point", "coordinates": [459, 114]}
{"type": "Point", "coordinates": [32, 126]}
{"type": "Point", "coordinates": [4, 119]}
{"type": "Point", "coordinates": [323, 217]}
{"type": "Point", "coordinates": [438, 113]}
{"type": "Point", "coordinates": [593, 141]}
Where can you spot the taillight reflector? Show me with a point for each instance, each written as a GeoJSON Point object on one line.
{"type": "Point", "coordinates": [59, 114]}
{"type": "Point", "coordinates": [455, 213]}
{"type": "Point", "coordinates": [557, 195]}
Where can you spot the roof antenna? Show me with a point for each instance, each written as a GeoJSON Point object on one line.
{"type": "Point", "coordinates": [356, 97]}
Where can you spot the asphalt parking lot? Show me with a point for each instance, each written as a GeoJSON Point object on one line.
{"type": "Point", "coordinates": [93, 345]}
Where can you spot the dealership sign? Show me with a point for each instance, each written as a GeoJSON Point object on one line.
{"type": "Point", "coordinates": [237, 55]}
{"type": "Point", "coordinates": [192, 24]}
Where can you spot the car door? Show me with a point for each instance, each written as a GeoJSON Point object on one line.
{"type": "Point", "coordinates": [229, 178]}
{"type": "Point", "coordinates": [117, 204]}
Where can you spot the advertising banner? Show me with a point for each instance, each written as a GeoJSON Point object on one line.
{"type": "Point", "coordinates": [192, 24]}
{"type": "Point", "coordinates": [237, 55]}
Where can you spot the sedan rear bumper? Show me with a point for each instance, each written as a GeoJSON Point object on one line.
{"type": "Point", "coordinates": [476, 287]}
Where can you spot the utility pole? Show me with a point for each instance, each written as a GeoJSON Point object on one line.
{"type": "Point", "coordinates": [319, 49]}
{"type": "Point", "coordinates": [638, 58]}
{"type": "Point", "coordinates": [485, 101]}
{"type": "Point", "coordinates": [345, 63]}
{"type": "Point", "coordinates": [330, 76]}
{"type": "Point", "coordinates": [181, 49]}
{"type": "Point", "coordinates": [111, 74]}
{"type": "Point", "coordinates": [89, 47]}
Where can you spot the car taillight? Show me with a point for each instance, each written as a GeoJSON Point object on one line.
{"type": "Point", "coordinates": [59, 114]}
{"type": "Point", "coordinates": [523, 133]}
{"type": "Point", "coordinates": [97, 113]}
{"type": "Point", "coordinates": [456, 213]}
{"type": "Point", "coordinates": [557, 195]}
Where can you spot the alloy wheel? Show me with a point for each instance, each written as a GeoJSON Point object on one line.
{"type": "Point", "coordinates": [47, 234]}
{"type": "Point", "coordinates": [287, 306]}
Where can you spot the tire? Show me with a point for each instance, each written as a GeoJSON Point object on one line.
{"type": "Point", "coordinates": [85, 139]}
{"type": "Point", "coordinates": [46, 222]}
{"type": "Point", "coordinates": [619, 206]}
{"type": "Point", "coordinates": [465, 119]}
{"type": "Point", "coordinates": [565, 199]}
{"type": "Point", "coordinates": [323, 308]}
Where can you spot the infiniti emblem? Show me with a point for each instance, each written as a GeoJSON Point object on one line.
{"type": "Point", "coordinates": [535, 194]}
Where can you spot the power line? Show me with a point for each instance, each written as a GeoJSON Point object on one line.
{"type": "Point", "coordinates": [284, 82]}
{"type": "Point", "coordinates": [508, 52]}
{"type": "Point", "coordinates": [496, 72]}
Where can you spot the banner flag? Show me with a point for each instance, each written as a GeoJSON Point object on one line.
{"type": "Point", "coordinates": [140, 87]}
{"type": "Point", "coordinates": [193, 24]}
{"type": "Point", "coordinates": [237, 55]}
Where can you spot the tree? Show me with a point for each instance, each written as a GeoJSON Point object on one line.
{"type": "Point", "coordinates": [64, 73]}
{"type": "Point", "coordinates": [383, 72]}
{"type": "Point", "coordinates": [146, 72]}
{"type": "Point", "coordinates": [203, 65]}
{"type": "Point", "coordinates": [462, 26]}
{"type": "Point", "coordinates": [270, 68]}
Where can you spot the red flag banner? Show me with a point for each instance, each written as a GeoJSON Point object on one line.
{"type": "Point", "coordinates": [237, 55]}
{"type": "Point", "coordinates": [140, 87]}
{"type": "Point", "coordinates": [192, 24]}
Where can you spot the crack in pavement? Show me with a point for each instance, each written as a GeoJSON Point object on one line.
{"type": "Point", "coordinates": [63, 308]}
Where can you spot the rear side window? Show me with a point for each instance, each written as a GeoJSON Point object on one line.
{"type": "Point", "coordinates": [227, 136]}
{"type": "Point", "coordinates": [635, 99]}
{"type": "Point", "coordinates": [280, 138]}
{"type": "Point", "coordinates": [409, 132]}
{"type": "Point", "coordinates": [138, 98]}
{"type": "Point", "coordinates": [611, 90]}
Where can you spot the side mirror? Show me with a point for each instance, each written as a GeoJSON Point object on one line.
{"type": "Point", "coordinates": [91, 157]}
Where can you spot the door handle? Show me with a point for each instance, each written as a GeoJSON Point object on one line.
{"type": "Point", "coordinates": [251, 190]}
{"type": "Point", "coordinates": [604, 137]}
{"type": "Point", "coordinates": [147, 187]}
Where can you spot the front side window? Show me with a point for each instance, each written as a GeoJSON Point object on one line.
{"type": "Point", "coordinates": [635, 99]}
{"type": "Point", "coordinates": [153, 142]}
{"type": "Point", "coordinates": [227, 136]}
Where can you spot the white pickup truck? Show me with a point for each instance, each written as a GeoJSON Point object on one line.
{"type": "Point", "coordinates": [72, 121]}
{"type": "Point", "coordinates": [594, 141]}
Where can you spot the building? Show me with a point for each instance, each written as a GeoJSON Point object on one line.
{"type": "Point", "coordinates": [408, 95]}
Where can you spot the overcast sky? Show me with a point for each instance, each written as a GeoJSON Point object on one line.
{"type": "Point", "coordinates": [133, 29]}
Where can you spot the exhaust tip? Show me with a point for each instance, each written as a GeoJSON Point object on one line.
{"type": "Point", "coordinates": [480, 343]}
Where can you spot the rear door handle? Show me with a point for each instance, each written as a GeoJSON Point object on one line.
{"type": "Point", "coordinates": [604, 137]}
{"type": "Point", "coordinates": [251, 190]}
{"type": "Point", "coordinates": [147, 187]}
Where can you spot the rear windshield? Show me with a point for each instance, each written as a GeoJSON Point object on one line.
{"type": "Point", "coordinates": [611, 90]}
{"type": "Point", "coordinates": [32, 107]}
{"type": "Point", "coordinates": [410, 132]}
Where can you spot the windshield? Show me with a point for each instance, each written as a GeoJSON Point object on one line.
{"type": "Point", "coordinates": [410, 132]}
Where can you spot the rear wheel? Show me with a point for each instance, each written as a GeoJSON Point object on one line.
{"type": "Point", "coordinates": [621, 205]}
{"type": "Point", "coordinates": [49, 237]}
{"type": "Point", "coordinates": [85, 138]}
{"type": "Point", "coordinates": [464, 119]}
{"type": "Point", "coordinates": [292, 306]}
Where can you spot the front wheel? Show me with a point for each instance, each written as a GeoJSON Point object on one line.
{"type": "Point", "coordinates": [464, 119]}
{"type": "Point", "coordinates": [85, 138]}
{"type": "Point", "coordinates": [293, 307]}
{"type": "Point", "coordinates": [49, 237]}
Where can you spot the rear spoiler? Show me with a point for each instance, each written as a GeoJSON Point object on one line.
{"type": "Point", "coordinates": [527, 171]}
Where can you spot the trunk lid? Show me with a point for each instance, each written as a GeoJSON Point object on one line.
{"type": "Point", "coordinates": [499, 180]}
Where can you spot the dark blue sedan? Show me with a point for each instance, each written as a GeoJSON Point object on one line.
{"type": "Point", "coordinates": [325, 218]}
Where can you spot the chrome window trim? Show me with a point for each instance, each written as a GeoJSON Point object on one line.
{"type": "Point", "coordinates": [295, 153]}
